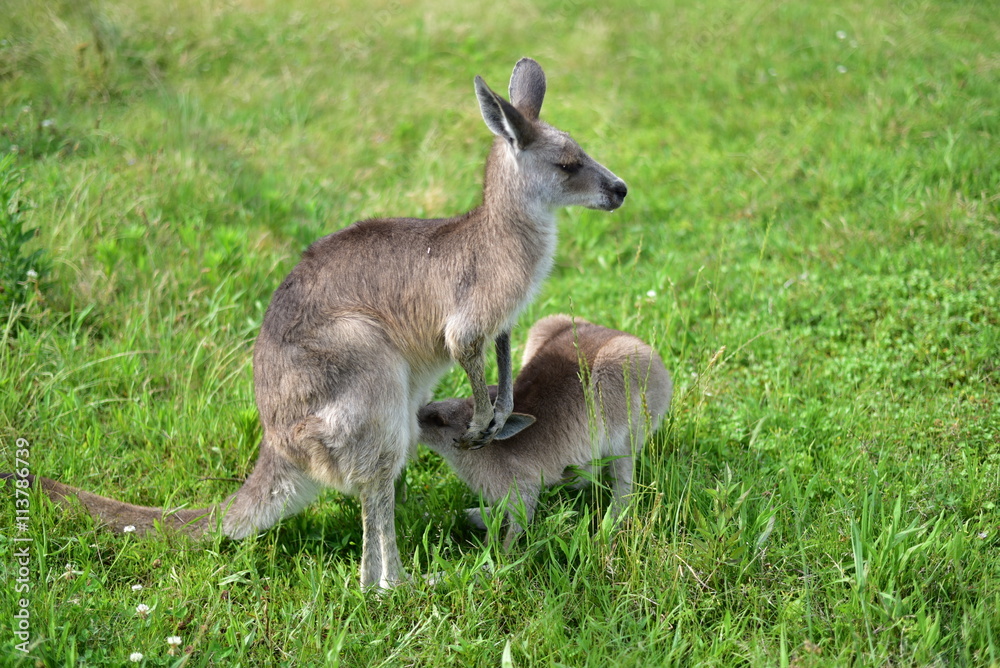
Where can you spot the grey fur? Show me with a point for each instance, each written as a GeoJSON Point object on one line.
{"type": "Point", "coordinates": [357, 335]}
{"type": "Point", "coordinates": [594, 391]}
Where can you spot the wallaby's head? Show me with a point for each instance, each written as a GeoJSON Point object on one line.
{"type": "Point", "coordinates": [539, 163]}
{"type": "Point", "coordinates": [442, 423]}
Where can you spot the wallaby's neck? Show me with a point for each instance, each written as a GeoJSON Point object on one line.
{"type": "Point", "coordinates": [512, 197]}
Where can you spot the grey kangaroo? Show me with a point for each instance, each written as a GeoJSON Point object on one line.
{"type": "Point", "coordinates": [593, 391]}
{"type": "Point", "coordinates": [360, 331]}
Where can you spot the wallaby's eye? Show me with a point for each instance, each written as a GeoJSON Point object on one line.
{"type": "Point", "coordinates": [569, 167]}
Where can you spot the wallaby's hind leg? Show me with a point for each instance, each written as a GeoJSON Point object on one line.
{"type": "Point", "coordinates": [475, 517]}
{"type": "Point", "coordinates": [358, 442]}
{"type": "Point", "coordinates": [275, 489]}
{"type": "Point", "coordinates": [380, 563]}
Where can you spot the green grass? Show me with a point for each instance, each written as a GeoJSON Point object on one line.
{"type": "Point", "coordinates": [811, 240]}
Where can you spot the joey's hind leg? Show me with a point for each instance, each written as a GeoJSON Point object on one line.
{"type": "Point", "coordinates": [474, 516]}
{"type": "Point", "coordinates": [621, 469]}
{"type": "Point", "coordinates": [521, 505]}
{"type": "Point", "coordinates": [520, 509]}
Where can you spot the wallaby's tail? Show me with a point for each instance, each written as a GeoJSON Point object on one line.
{"type": "Point", "coordinates": [117, 515]}
{"type": "Point", "coordinates": [275, 489]}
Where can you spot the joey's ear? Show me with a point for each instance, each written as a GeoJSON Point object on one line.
{"type": "Point", "coordinates": [527, 87]}
{"type": "Point", "coordinates": [430, 416]}
{"type": "Point", "coordinates": [502, 118]}
{"type": "Point", "coordinates": [516, 423]}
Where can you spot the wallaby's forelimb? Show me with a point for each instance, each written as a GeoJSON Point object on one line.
{"type": "Point", "coordinates": [504, 404]}
{"type": "Point", "coordinates": [473, 362]}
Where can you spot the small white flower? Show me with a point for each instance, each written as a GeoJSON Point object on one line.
{"type": "Point", "coordinates": [841, 69]}
{"type": "Point", "coordinates": [70, 573]}
{"type": "Point", "coordinates": [173, 640]}
{"type": "Point", "coordinates": [981, 534]}
{"type": "Point", "coordinates": [31, 274]}
{"type": "Point", "coordinates": [136, 587]}
{"type": "Point", "coordinates": [142, 610]}
{"type": "Point", "coordinates": [129, 528]}
{"type": "Point", "coordinates": [135, 657]}
{"type": "Point", "coordinates": [48, 123]}
{"type": "Point", "coordinates": [841, 34]}
{"type": "Point", "coordinates": [651, 294]}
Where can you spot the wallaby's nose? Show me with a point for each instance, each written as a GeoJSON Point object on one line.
{"type": "Point", "coordinates": [620, 189]}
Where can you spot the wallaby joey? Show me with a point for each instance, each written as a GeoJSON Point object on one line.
{"type": "Point", "coordinates": [584, 393]}
{"type": "Point", "coordinates": [358, 334]}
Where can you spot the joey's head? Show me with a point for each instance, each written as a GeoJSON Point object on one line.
{"type": "Point", "coordinates": [443, 423]}
{"type": "Point", "coordinates": [535, 164]}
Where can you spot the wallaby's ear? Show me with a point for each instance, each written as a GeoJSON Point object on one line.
{"type": "Point", "coordinates": [502, 118]}
{"type": "Point", "coordinates": [527, 87]}
{"type": "Point", "coordinates": [516, 423]}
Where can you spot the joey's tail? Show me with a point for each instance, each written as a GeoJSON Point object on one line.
{"type": "Point", "coordinates": [275, 489]}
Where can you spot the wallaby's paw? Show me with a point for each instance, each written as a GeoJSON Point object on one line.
{"type": "Point", "coordinates": [474, 439]}
{"type": "Point", "coordinates": [477, 438]}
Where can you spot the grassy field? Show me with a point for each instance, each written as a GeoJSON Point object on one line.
{"type": "Point", "coordinates": [811, 240]}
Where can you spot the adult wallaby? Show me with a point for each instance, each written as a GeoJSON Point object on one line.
{"type": "Point", "coordinates": [358, 334]}
{"type": "Point", "coordinates": [584, 393]}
